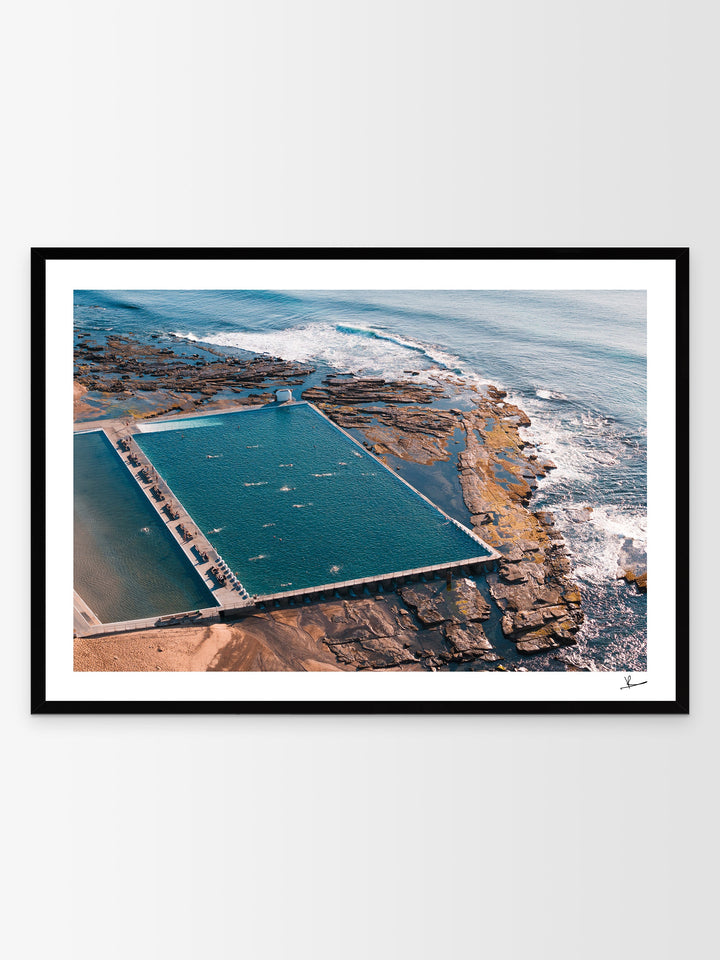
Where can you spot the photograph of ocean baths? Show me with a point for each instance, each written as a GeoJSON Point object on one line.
{"type": "Point", "coordinates": [237, 510]}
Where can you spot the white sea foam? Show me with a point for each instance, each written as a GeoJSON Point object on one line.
{"type": "Point", "coordinates": [259, 483]}
{"type": "Point", "coordinates": [601, 457]}
{"type": "Point", "coordinates": [550, 395]}
{"type": "Point", "coordinates": [286, 488]}
{"type": "Point", "coordinates": [354, 348]}
{"type": "Point", "coordinates": [552, 441]}
{"type": "Point", "coordinates": [620, 523]}
{"type": "Point", "coordinates": [587, 448]}
{"type": "Point", "coordinates": [597, 544]}
{"type": "Point", "coordinates": [346, 348]}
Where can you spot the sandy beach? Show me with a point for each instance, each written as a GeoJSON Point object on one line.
{"type": "Point", "coordinates": [254, 644]}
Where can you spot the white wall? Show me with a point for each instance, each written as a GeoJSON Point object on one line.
{"type": "Point", "coordinates": [141, 122]}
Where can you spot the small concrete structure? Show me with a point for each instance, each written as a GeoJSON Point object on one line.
{"type": "Point", "coordinates": [283, 396]}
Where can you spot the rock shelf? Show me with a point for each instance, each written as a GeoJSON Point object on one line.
{"type": "Point", "coordinates": [123, 367]}
{"type": "Point", "coordinates": [341, 391]}
{"type": "Point", "coordinates": [533, 586]}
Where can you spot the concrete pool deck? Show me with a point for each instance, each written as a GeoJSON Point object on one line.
{"type": "Point", "coordinates": [231, 598]}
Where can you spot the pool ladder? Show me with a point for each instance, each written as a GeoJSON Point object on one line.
{"type": "Point", "coordinates": [230, 576]}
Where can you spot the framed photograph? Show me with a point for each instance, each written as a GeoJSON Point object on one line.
{"type": "Point", "coordinates": [360, 480]}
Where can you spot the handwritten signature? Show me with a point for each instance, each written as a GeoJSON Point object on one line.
{"type": "Point", "coordinates": [629, 683]}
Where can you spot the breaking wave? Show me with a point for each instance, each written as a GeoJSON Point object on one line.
{"type": "Point", "coordinates": [598, 540]}
{"type": "Point", "coordinates": [347, 349]}
{"type": "Point", "coordinates": [550, 395]}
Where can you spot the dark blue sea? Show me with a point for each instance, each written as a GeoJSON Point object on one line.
{"type": "Point", "coordinates": [575, 361]}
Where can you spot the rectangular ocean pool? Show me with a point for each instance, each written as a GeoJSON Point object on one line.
{"type": "Point", "coordinates": [291, 502]}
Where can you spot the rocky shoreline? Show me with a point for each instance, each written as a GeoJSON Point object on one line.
{"type": "Point", "coordinates": [498, 472]}
{"type": "Point", "coordinates": [420, 626]}
{"type": "Point", "coordinates": [123, 369]}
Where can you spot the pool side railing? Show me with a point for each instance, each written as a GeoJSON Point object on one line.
{"type": "Point", "coordinates": [379, 579]}
{"type": "Point", "coordinates": [243, 608]}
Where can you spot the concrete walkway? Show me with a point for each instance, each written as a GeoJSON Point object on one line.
{"type": "Point", "coordinates": [193, 543]}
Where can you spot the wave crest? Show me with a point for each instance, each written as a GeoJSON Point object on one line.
{"type": "Point", "coordinates": [345, 348]}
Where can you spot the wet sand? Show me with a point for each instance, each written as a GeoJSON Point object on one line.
{"type": "Point", "coordinates": [252, 644]}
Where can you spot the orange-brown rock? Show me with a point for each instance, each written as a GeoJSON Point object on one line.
{"type": "Point", "coordinates": [498, 476]}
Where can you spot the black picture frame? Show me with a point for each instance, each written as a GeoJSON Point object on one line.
{"type": "Point", "coordinates": [40, 704]}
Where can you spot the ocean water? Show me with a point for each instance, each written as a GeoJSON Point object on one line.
{"type": "Point", "coordinates": [126, 564]}
{"type": "Point", "coordinates": [289, 502]}
{"type": "Point", "coordinates": [574, 360]}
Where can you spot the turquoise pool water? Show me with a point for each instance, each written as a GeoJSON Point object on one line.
{"type": "Point", "coordinates": [126, 564]}
{"type": "Point", "coordinates": [290, 502]}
